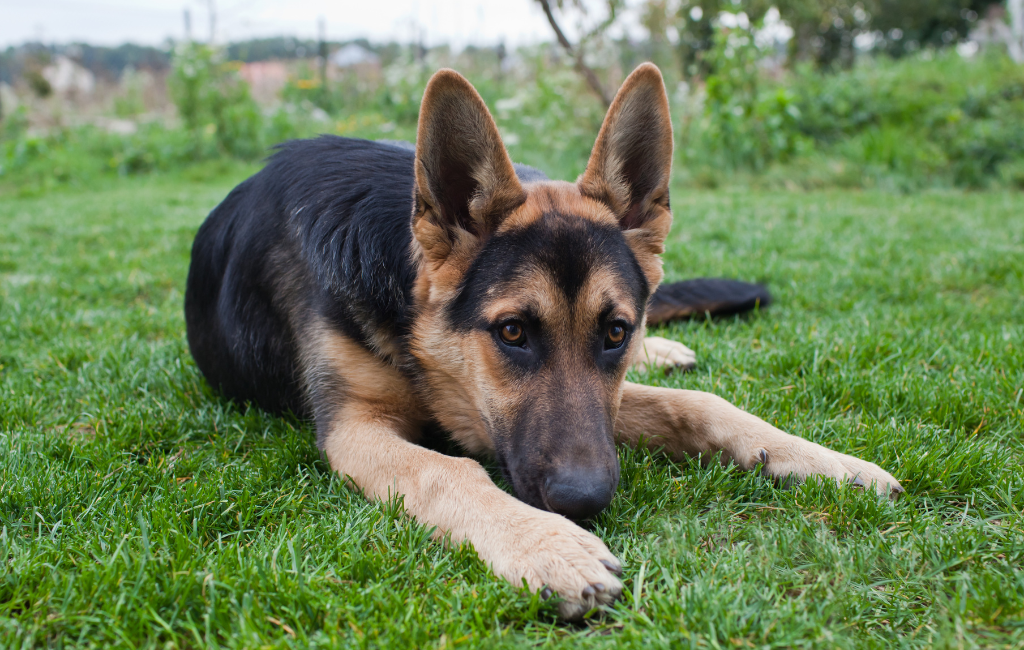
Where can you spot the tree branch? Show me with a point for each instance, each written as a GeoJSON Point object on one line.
{"type": "Point", "coordinates": [577, 56]}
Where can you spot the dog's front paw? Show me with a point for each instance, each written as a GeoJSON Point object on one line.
{"type": "Point", "coordinates": [555, 556]}
{"type": "Point", "coordinates": [658, 352]}
{"type": "Point", "coordinates": [790, 457]}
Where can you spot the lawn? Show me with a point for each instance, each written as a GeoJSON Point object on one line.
{"type": "Point", "coordinates": [139, 509]}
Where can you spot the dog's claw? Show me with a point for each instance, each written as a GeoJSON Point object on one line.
{"type": "Point", "coordinates": [763, 455]}
{"type": "Point", "coordinates": [588, 591]}
{"type": "Point", "coordinates": [599, 587]}
{"type": "Point", "coordinates": [546, 593]}
{"type": "Point", "coordinates": [894, 490]}
{"type": "Point", "coordinates": [617, 570]}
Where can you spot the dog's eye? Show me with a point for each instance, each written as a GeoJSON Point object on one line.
{"type": "Point", "coordinates": [616, 335]}
{"type": "Point", "coordinates": [512, 334]}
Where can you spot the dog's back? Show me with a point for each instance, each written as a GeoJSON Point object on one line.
{"type": "Point", "coordinates": [324, 226]}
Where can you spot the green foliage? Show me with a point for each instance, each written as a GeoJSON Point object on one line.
{"type": "Point", "coordinates": [934, 119]}
{"type": "Point", "coordinates": [265, 49]}
{"type": "Point", "coordinates": [549, 119]}
{"type": "Point", "coordinates": [909, 25]}
{"type": "Point", "coordinates": [402, 89]}
{"type": "Point", "coordinates": [14, 124]}
{"type": "Point", "coordinates": [825, 30]}
{"type": "Point", "coordinates": [745, 124]}
{"type": "Point", "coordinates": [219, 120]}
{"type": "Point", "coordinates": [213, 100]}
{"type": "Point", "coordinates": [114, 61]}
{"type": "Point", "coordinates": [695, 23]}
{"type": "Point", "coordinates": [139, 509]}
{"type": "Point", "coordinates": [129, 102]}
{"type": "Point", "coordinates": [38, 83]}
{"type": "Point", "coordinates": [395, 96]}
{"type": "Point", "coordinates": [931, 119]}
{"type": "Point", "coordinates": [33, 163]}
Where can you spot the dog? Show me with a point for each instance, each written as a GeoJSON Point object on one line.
{"type": "Point", "coordinates": [379, 289]}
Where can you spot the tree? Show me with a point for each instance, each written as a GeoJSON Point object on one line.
{"type": "Point", "coordinates": [825, 31]}
{"type": "Point", "coordinates": [695, 24]}
{"type": "Point", "coordinates": [578, 51]}
{"type": "Point", "coordinates": [906, 25]}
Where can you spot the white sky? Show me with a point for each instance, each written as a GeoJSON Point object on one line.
{"type": "Point", "coordinates": [112, 22]}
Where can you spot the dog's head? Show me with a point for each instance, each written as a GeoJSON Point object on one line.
{"type": "Point", "coordinates": [531, 296]}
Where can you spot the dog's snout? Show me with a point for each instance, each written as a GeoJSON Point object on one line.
{"type": "Point", "coordinates": [579, 493]}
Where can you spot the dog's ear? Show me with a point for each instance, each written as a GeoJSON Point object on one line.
{"type": "Point", "coordinates": [631, 164]}
{"type": "Point", "coordinates": [465, 182]}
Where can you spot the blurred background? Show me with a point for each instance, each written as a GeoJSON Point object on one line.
{"type": "Point", "coordinates": [900, 94]}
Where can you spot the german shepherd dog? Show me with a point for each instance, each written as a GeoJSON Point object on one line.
{"type": "Point", "coordinates": [379, 290]}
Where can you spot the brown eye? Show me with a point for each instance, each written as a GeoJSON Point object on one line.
{"type": "Point", "coordinates": [616, 335]}
{"type": "Point", "coordinates": [512, 334]}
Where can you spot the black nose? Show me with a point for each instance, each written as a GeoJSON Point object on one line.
{"type": "Point", "coordinates": [579, 493]}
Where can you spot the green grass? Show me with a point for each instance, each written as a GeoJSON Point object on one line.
{"type": "Point", "coordinates": [139, 509]}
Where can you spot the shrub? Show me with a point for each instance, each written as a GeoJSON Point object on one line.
{"type": "Point", "coordinates": [924, 120]}
{"type": "Point", "coordinates": [921, 121]}
{"type": "Point", "coordinates": [746, 123]}
{"type": "Point", "coordinates": [213, 100]}
{"type": "Point", "coordinates": [939, 118]}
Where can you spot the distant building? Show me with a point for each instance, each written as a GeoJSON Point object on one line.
{"type": "Point", "coordinates": [353, 55]}
{"type": "Point", "coordinates": [266, 79]}
{"type": "Point", "coordinates": [68, 79]}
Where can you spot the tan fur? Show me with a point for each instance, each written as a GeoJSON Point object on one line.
{"type": "Point", "coordinates": [465, 381]}
{"type": "Point", "coordinates": [369, 442]}
{"type": "Point", "coordinates": [466, 388]}
{"type": "Point", "coordinates": [547, 196]}
{"type": "Point", "coordinates": [636, 140]}
{"type": "Point", "coordinates": [453, 112]}
{"type": "Point", "coordinates": [691, 423]}
{"type": "Point", "coordinates": [658, 352]}
{"type": "Point", "coordinates": [458, 371]}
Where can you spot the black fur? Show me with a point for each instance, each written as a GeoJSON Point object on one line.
{"type": "Point", "coordinates": [325, 227]}
{"type": "Point", "coordinates": [714, 296]}
{"type": "Point", "coordinates": [325, 223]}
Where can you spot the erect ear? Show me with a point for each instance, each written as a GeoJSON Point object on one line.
{"type": "Point", "coordinates": [631, 164]}
{"type": "Point", "coordinates": [465, 183]}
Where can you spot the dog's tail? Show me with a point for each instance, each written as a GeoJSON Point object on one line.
{"type": "Point", "coordinates": [714, 296]}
